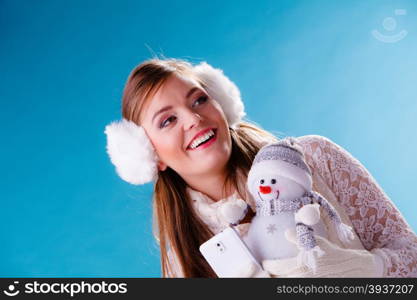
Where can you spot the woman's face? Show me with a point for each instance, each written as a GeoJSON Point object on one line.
{"type": "Point", "coordinates": [187, 128]}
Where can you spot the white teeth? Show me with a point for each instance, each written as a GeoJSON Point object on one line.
{"type": "Point", "coordinates": [202, 139]}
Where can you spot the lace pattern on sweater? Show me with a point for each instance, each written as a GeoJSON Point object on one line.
{"type": "Point", "coordinates": [378, 223]}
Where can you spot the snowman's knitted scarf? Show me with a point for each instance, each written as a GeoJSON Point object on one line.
{"type": "Point", "coordinates": [275, 206]}
{"type": "Point", "coordinates": [309, 250]}
{"type": "Point", "coordinates": [305, 234]}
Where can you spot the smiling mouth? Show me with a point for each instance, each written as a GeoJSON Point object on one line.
{"type": "Point", "coordinates": [206, 139]}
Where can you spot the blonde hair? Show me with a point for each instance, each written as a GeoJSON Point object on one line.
{"type": "Point", "coordinates": [176, 226]}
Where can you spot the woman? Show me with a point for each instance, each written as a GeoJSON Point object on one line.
{"type": "Point", "coordinates": [182, 127]}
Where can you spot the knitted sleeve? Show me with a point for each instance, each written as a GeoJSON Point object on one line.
{"type": "Point", "coordinates": [378, 223]}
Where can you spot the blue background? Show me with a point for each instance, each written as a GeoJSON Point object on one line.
{"type": "Point", "coordinates": [303, 67]}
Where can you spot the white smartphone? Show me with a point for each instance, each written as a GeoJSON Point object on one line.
{"type": "Point", "coordinates": [226, 253]}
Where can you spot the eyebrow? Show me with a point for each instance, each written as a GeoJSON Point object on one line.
{"type": "Point", "coordinates": [164, 109]}
{"type": "Point", "coordinates": [191, 91]}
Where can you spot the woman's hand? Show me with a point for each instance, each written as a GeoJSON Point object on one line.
{"type": "Point", "coordinates": [336, 262]}
{"type": "Point", "coordinates": [251, 270]}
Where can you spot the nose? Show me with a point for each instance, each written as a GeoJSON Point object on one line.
{"type": "Point", "coordinates": [191, 119]}
{"type": "Point", "coordinates": [265, 189]}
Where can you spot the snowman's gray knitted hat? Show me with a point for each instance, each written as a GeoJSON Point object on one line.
{"type": "Point", "coordinates": [284, 158]}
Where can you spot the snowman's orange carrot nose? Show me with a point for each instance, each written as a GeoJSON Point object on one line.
{"type": "Point", "coordinates": [264, 189]}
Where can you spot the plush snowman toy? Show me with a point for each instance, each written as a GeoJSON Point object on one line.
{"type": "Point", "coordinates": [280, 182]}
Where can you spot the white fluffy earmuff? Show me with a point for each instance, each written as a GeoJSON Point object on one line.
{"type": "Point", "coordinates": [129, 147]}
{"type": "Point", "coordinates": [223, 90]}
{"type": "Point", "coordinates": [131, 152]}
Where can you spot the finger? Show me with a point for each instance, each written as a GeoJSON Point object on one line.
{"type": "Point", "coordinates": [321, 241]}
{"type": "Point", "coordinates": [276, 266]}
{"type": "Point", "coordinates": [246, 271]}
{"type": "Point", "coordinates": [281, 267]}
{"type": "Point", "coordinates": [326, 245]}
{"type": "Point", "coordinates": [242, 229]}
{"type": "Point", "coordinates": [291, 235]}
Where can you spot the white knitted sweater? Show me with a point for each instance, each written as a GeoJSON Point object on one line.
{"type": "Point", "coordinates": [360, 201]}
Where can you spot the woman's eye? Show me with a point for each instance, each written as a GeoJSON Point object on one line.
{"type": "Point", "coordinates": [167, 121]}
{"type": "Point", "coordinates": [273, 181]}
{"type": "Point", "coordinates": [262, 181]}
{"type": "Point", "coordinates": [200, 100]}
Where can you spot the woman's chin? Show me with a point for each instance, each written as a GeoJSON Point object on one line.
{"type": "Point", "coordinates": [210, 163]}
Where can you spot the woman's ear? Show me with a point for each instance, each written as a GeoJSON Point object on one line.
{"type": "Point", "coordinates": [162, 166]}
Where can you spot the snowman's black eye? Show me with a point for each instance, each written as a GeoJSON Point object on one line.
{"type": "Point", "coordinates": [273, 181]}
{"type": "Point", "coordinates": [262, 181]}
